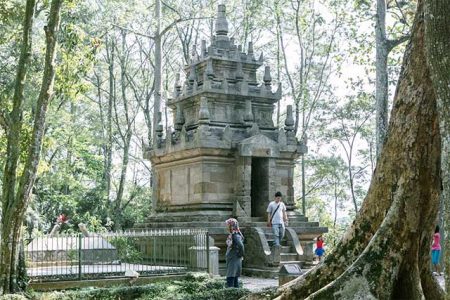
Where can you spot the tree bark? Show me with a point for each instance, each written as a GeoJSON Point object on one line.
{"type": "Point", "coordinates": [383, 48]}
{"type": "Point", "coordinates": [437, 27]}
{"type": "Point", "coordinates": [109, 117]}
{"type": "Point", "coordinates": [126, 139]}
{"type": "Point", "coordinates": [13, 152]}
{"type": "Point", "coordinates": [158, 70]}
{"type": "Point", "coordinates": [385, 254]}
{"type": "Point", "coordinates": [14, 207]}
{"type": "Point", "coordinates": [381, 75]}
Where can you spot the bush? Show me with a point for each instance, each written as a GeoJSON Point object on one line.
{"type": "Point", "coordinates": [13, 297]}
{"type": "Point", "coordinates": [126, 249]}
{"type": "Point", "coordinates": [194, 287]}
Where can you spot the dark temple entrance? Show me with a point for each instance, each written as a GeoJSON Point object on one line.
{"type": "Point", "coordinates": [260, 186]}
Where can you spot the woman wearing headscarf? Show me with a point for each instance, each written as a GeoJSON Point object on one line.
{"type": "Point", "coordinates": [235, 252]}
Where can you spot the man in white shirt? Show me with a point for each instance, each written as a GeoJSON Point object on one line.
{"type": "Point", "coordinates": [277, 218]}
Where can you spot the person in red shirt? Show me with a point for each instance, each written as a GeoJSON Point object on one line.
{"type": "Point", "coordinates": [319, 248]}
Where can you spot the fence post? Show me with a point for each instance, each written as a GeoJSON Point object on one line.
{"type": "Point", "coordinates": [80, 239]}
{"type": "Point", "coordinates": [207, 253]}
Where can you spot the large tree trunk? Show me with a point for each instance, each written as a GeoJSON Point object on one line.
{"type": "Point", "coordinates": [13, 150]}
{"type": "Point", "coordinates": [385, 253]}
{"type": "Point", "coordinates": [437, 27]}
{"type": "Point", "coordinates": [14, 206]}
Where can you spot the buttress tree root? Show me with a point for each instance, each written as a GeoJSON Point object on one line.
{"type": "Point", "coordinates": [385, 254]}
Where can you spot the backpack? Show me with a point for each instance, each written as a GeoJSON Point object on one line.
{"type": "Point", "coordinates": [239, 250]}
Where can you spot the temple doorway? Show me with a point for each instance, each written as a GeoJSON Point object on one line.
{"type": "Point", "coordinates": [259, 186]}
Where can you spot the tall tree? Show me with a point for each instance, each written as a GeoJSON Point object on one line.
{"type": "Point", "coordinates": [384, 46]}
{"type": "Point", "coordinates": [385, 254]}
{"type": "Point", "coordinates": [158, 39]}
{"type": "Point", "coordinates": [17, 187]}
{"type": "Point", "coordinates": [437, 27]}
{"type": "Point", "coordinates": [348, 122]}
{"type": "Point", "coordinates": [310, 80]}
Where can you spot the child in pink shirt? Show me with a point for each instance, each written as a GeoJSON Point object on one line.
{"type": "Point", "coordinates": [436, 251]}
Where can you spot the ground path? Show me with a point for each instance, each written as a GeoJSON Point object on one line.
{"type": "Point", "coordinates": [255, 284]}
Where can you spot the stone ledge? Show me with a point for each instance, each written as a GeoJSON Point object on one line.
{"type": "Point", "coordinates": [108, 282]}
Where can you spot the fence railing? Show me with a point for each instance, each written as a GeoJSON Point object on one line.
{"type": "Point", "coordinates": [117, 254]}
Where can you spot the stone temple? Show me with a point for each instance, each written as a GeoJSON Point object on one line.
{"type": "Point", "coordinates": [226, 157]}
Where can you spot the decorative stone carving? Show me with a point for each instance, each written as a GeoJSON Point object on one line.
{"type": "Point", "coordinates": [221, 21]}
{"type": "Point", "coordinates": [203, 49]}
{"type": "Point", "coordinates": [209, 69]}
{"type": "Point", "coordinates": [203, 113]}
{"type": "Point", "coordinates": [194, 53]}
{"type": "Point", "coordinates": [192, 76]}
{"type": "Point", "coordinates": [289, 122]}
{"type": "Point", "coordinates": [254, 130]}
{"type": "Point", "coordinates": [248, 115]}
{"type": "Point", "coordinates": [279, 91]}
{"type": "Point", "coordinates": [239, 72]}
{"type": "Point", "coordinates": [227, 135]}
{"type": "Point", "coordinates": [177, 86]}
{"type": "Point", "coordinates": [159, 130]}
{"type": "Point", "coordinates": [179, 118]}
{"type": "Point", "coordinates": [261, 58]}
{"type": "Point", "coordinates": [267, 77]}
{"type": "Point", "coordinates": [183, 136]}
{"type": "Point", "coordinates": [250, 55]}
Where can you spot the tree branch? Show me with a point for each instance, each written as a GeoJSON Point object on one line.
{"type": "Point", "coordinates": [391, 44]}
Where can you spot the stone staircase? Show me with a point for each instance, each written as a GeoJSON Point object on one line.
{"type": "Point", "coordinates": [296, 246]}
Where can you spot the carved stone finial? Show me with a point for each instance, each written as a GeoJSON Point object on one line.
{"type": "Point", "coordinates": [289, 122]}
{"type": "Point", "coordinates": [221, 21]}
{"type": "Point", "coordinates": [209, 69]}
{"type": "Point", "coordinates": [239, 72]}
{"type": "Point", "coordinates": [183, 135]}
{"type": "Point", "coordinates": [203, 113]}
{"type": "Point", "coordinates": [254, 130]}
{"type": "Point", "coordinates": [177, 87]}
{"type": "Point", "coordinates": [261, 58]}
{"type": "Point", "coordinates": [267, 78]}
{"type": "Point", "coordinates": [159, 129]}
{"type": "Point", "coordinates": [279, 91]}
{"type": "Point", "coordinates": [192, 77]}
{"type": "Point", "coordinates": [195, 86]}
{"type": "Point", "coordinates": [248, 114]}
{"type": "Point", "coordinates": [251, 56]}
{"type": "Point", "coordinates": [179, 118]}
{"type": "Point", "coordinates": [203, 49]}
{"type": "Point", "coordinates": [169, 137]}
{"type": "Point", "coordinates": [194, 53]}
{"type": "Point", "coordinates": [227, 134]}
{"type": "Point", "coordinates": [224, 85]}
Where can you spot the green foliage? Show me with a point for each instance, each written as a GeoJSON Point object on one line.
{"type": "Point", "coordinates": [192, 288]}
{"type": "Point", "coordinates": [126, 249]}
{"type": "Point", "coordinates": [13, 297]}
